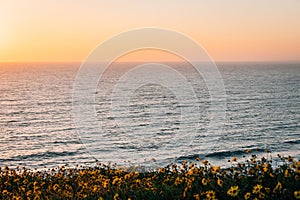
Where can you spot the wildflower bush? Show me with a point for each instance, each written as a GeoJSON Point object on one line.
{"type": "Point", "coordinates": [255, 178]}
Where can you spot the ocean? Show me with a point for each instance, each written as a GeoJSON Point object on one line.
{"type": "Point", "coordinates": [148, 127]}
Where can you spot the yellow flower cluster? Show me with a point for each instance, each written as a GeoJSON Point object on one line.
{"type": "Point", "coordinates": [253, 179]}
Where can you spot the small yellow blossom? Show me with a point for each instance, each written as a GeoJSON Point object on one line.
{"type": "Point", "coordinates": [204, 162]}
{"type": "Point", "coordinates": [265, 169]}
{"type": "Point", "coordinates": [115, 181]}
{"type": "Point", "coordinates": [127, 176]}
{"type": "Point", "coordinates": [215, 169]}
{"type": "Point", "coordinates": [257, 188]}
{"type": "Point", "coordinates": [210, 194]}
{"type": "Point", "coordinates": [197, 196]}
{"type": "Point", "coordinates": [96, 188]}
{"type": "Point", "coordinates": [16, 198]}
{"type": "Point", "coordinates": [234, 159]}
{"type": "Point", "coordinates": [105, 183]}
{"type": "Point", "coordinates": [204, 181]}
{"type": "Point", "coordinates": [178, 181]}
{"type": "Point", "coordinates": [278, 186]}
{"type": "Point", "coordinates": [297, 194]}
{"type": "Point", "coordinates": [286, 173]}
{"type": "Point", "coordinates": [261, 195]}
{"type": "Point", "coordinates": [220, 182]}
{"type": "Point", "coordinates": [4, 192]}
{"type": "Point", "coordinates": [247, 195]}
{"type": "Point", "coordinates": [116, 197]}
{"type": "Point", "coordinates": [233, 191]}
{"type": "Point", "coordinates": [28, 193]}
{"type": "Point", "coordinates": [162, 170]}
{"type": "Point", "coordinates": [55, 187]}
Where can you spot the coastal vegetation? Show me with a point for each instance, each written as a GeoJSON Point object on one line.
{"type": "Point", "coordinates": [253, 178]}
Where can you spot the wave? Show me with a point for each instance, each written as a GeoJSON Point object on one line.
{"type": "Point", "coordinates": [292, 142]}
{"type": "Point", "coordinates": [219, 154]}
{"type": "Point", "coordinates": [41, 155]}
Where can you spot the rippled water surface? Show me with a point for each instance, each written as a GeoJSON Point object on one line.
{"type": "Point", "coordinates": [37, 126]}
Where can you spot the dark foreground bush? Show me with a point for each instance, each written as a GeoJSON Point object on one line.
{"type": "Point", "coordinates": [252, 179]}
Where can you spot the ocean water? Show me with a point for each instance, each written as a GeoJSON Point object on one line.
{"type": "Point", "coordinates": [37, 126]}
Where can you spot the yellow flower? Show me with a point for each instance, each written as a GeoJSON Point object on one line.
{"type": "Point", "coordinates": [197, 196]}
{"type": "Point", "coordinates": [204, 162]}
{"type": "Point", "coordinates": [261, 195]}
{"type": "Point", "coordinates": [286, 173]}
{"type": "Point", "coordinates": [36, 197]}
{"type": "Point", "coordinates": [127, 176]}
{"type": "Point", "coordinates": [220, 182]}
{"type": "Point", "coordinates": [247, 195]}
{"type": "Point", "coordinates": [68, 187]}
{"type": "Point", "coordinates": [257, 188]}
{"type": "Point", "coordinates": [234, 159]}
{"type": "Point", "coordinates": [28, 193]}
{"type": "Point", "coordinates": [16, 198]}
{"type": "Point", "coordinates": [257, 167]}
{"type": "Point", "coordinates": [233, 191]}
{"type": "Point", "coordinates": [105, 183]}
{"type": "Point", "coordinates": [25, 182]}
{"type": "Point", "coordinates": [22, 189]}
{"type": "Point", "coordinates": [278, 186]}
{"type": "Point", "coordinates": [161, 170]}
{"type": "Point", "coordinates": [268, 190]}
{"type": "Point", "coordinates": [116, 180]}
{"type": "Point", "coordinates": [184, 192]}
{"type": "Point", "coordinates": [297, 194]}
{"type": "Point", "coordinates": [96, 188]}
{"type": "Point", "coordinates": [178, 181]}
{"type": "Point", "coordinates": [116, 196]}
{"type": "Point", "coordinates": [265, 169]}
{"type": "Point", "coordinates": [68, 194]}
{"type": "Point", "coordinates": [215, 169]}
{"type": "Point", "coordinates": [204, 181]}
{"type": "Point", "coordinates": [192, 165]}
{"type": "Point", "coordinates": [193, 171]}
{"type": "Point", "coordinates": [55, 187]}
{"type": "Point", "coordinates": [4, 192]}
{"type": "Point", "coordinates": [210, 194]}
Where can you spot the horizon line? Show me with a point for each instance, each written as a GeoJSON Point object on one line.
{"type": "Point", "coordinates": [150, 61]}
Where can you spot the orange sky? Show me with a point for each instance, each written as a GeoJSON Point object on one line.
{"type": "Point", "coordinates": [229, 30]}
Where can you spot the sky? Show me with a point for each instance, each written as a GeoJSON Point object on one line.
{"type": "Point", "coordinates": [231, 30]}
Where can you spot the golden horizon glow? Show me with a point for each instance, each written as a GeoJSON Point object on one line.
{"type": "Point", "coordinates": [250, 30]}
